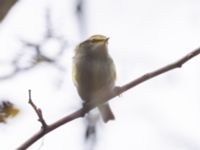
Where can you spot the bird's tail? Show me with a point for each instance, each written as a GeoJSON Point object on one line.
{"type": "Point", "coordinates": [106, 112]}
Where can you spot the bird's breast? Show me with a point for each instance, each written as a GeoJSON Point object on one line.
{"type": "Point", "coordinates": [92, 75]}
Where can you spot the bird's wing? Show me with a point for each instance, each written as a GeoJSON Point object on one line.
{"type": "Point", "coordinates": [74, 74]}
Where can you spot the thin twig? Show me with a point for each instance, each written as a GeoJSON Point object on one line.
{"type": "Point", "coordinates": [108, 96]}
{"type": "Point", "coordinates": [38, 112]}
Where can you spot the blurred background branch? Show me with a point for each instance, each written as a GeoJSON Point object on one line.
{"type": "Point", "coordinates": [92, 120]}
{"type": "Point", "coordinates": [80, 9]}
{"type": "Point", "coordinates": [34, 54]}
{"type": "Point", "coordinates": [5, 6]}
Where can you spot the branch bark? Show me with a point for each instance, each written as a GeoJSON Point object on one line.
{"type": "Point", "coordinates": [108, 96]}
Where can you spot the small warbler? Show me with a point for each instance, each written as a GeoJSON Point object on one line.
{"type": "Point", "coordinates": [94, 72]}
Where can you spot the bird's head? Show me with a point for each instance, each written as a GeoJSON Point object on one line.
{"type": "Point", "coordinates": [96, 44]}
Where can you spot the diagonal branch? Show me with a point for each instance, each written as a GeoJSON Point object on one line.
{"type": "Point", "coordinates": [108, 96]}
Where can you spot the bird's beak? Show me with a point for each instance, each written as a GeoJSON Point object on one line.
{"type": "Point", "coordinates": [106, 40]}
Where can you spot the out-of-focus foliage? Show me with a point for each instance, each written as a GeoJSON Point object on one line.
{"type": "Point", "coordinates": [5, 6]}
{"type": "Point", "coordinates": [7, 109]}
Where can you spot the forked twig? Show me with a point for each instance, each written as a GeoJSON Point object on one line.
{"type": "Point", "coordinates": [38, 111]}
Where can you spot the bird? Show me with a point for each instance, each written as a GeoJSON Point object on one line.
{"type": "Point", "coordinates": [94, 73]}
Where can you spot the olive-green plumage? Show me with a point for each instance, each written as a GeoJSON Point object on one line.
{"type": "Point", "coordinates": [94, 72]}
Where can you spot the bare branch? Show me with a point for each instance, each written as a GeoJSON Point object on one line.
{"type": "Point", "coordinates": [38, 112]}
{"type": "Point", "coordinates": [108, 96]}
